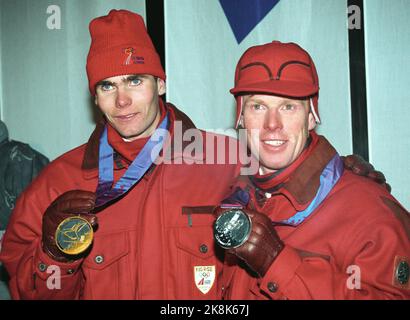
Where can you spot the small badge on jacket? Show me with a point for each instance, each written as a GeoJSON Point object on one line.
{"type": "Point", "coordinates": [204, 277]}
{"type": "Point", "coordinates": [401, 273]}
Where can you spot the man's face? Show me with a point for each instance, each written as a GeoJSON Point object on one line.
{"type": "Point", "coordinates": [130, 103]}
{"type": "Point", "coordinates": [283, 126]}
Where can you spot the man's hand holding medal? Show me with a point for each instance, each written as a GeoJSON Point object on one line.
{"type": "Point", "coordinates": [68, 225]}
{"type": "Point", "coordinates": [249, 235]}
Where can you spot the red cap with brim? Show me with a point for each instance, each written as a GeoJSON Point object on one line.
{"type": "Point", "coordinates": [282, 69]}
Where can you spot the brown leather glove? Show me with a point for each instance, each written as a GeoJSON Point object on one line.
{"type": "Point", "coordinates": [361, 167]}
{"type": "Point", "coordinates": [262, 246]}
{"type": "Point", "coordinates": [70, 203]}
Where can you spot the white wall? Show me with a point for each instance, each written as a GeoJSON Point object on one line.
{"type": "Point", "coordinates": [388, 91]}
{"type": "Point", "coordinates": [45, 95]}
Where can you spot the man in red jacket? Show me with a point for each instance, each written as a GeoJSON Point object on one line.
{"type": "Point", "coordinates": [303, 227]}
{"type": "Point", "coordinates": [103, 221]}
{"type": "Point", "coordinates": [146, 233]}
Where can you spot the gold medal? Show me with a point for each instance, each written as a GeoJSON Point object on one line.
{"type": "Point", "coordinates": [74, 235]}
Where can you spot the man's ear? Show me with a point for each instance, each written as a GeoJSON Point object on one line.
{"type": "Point", "coordinates": [96, 100]}
{"type": "Point", "coordinates": [161, 86]}
{"type": "Point", "coordinates": [311, 121]}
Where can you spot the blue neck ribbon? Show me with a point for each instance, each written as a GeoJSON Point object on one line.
{"type": "Point", "coordinates": [329, 177]}
{"type": "Point", "coordinates": [146, 157]}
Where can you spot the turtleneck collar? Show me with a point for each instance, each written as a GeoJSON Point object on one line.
{"type": "Point", "coordinates": [90, 159]}
{"type": "Point", "coordinates": [272, 181]}
{"type": "Point", "coordinates": [128, 150]}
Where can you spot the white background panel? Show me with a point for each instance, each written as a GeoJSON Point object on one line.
{"type": "Point", "coordinates": [45, 99]}
{"type": "Point", "coordinates": [388, 91]}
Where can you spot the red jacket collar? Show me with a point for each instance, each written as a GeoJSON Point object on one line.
{"type": "Point", "coordinates": [304, 182]}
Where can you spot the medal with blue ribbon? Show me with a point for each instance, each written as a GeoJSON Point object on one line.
{"type": "Point", "coordinates": [105, 192]}
{"type": "Point", "coordinates": [328, 179]}
{"type": "Point", "coordinates": [74, 235]}
{"type": "Point", "coordinates": [233, 227]}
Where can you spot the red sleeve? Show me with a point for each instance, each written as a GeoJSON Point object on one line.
{"type": "Point", "coordinates": [369, 268]}
{"type": "Point", "coordinates": [33, 274]}
{"type": "Point", "coordinates": [37, 276]}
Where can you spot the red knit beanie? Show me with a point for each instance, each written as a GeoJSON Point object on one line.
{"type": "Point", "coordinates": [120, 45]}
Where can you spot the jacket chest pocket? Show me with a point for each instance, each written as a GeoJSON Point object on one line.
{"type": "Point", "coordinates": [199, 263]}
{"type": "Point", "coordinates": [106, 269]}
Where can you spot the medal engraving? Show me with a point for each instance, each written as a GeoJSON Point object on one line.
{"type": "Point", "coordinates": [74, 235]}
{"type": "Point", "coordinates": [232, 229]}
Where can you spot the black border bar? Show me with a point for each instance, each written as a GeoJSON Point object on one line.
{"type": "Point", "coordinates": [154, 10]}
{"type": "Point", "coordinates": [358, 92]}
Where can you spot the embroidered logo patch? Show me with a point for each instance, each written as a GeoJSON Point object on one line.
{"type": "Point", "coordinates": [401, 273]}
{"type": "Point", "coordinates": [204, 277]}
{"type": "Point", "coordinates": [131, 58]}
